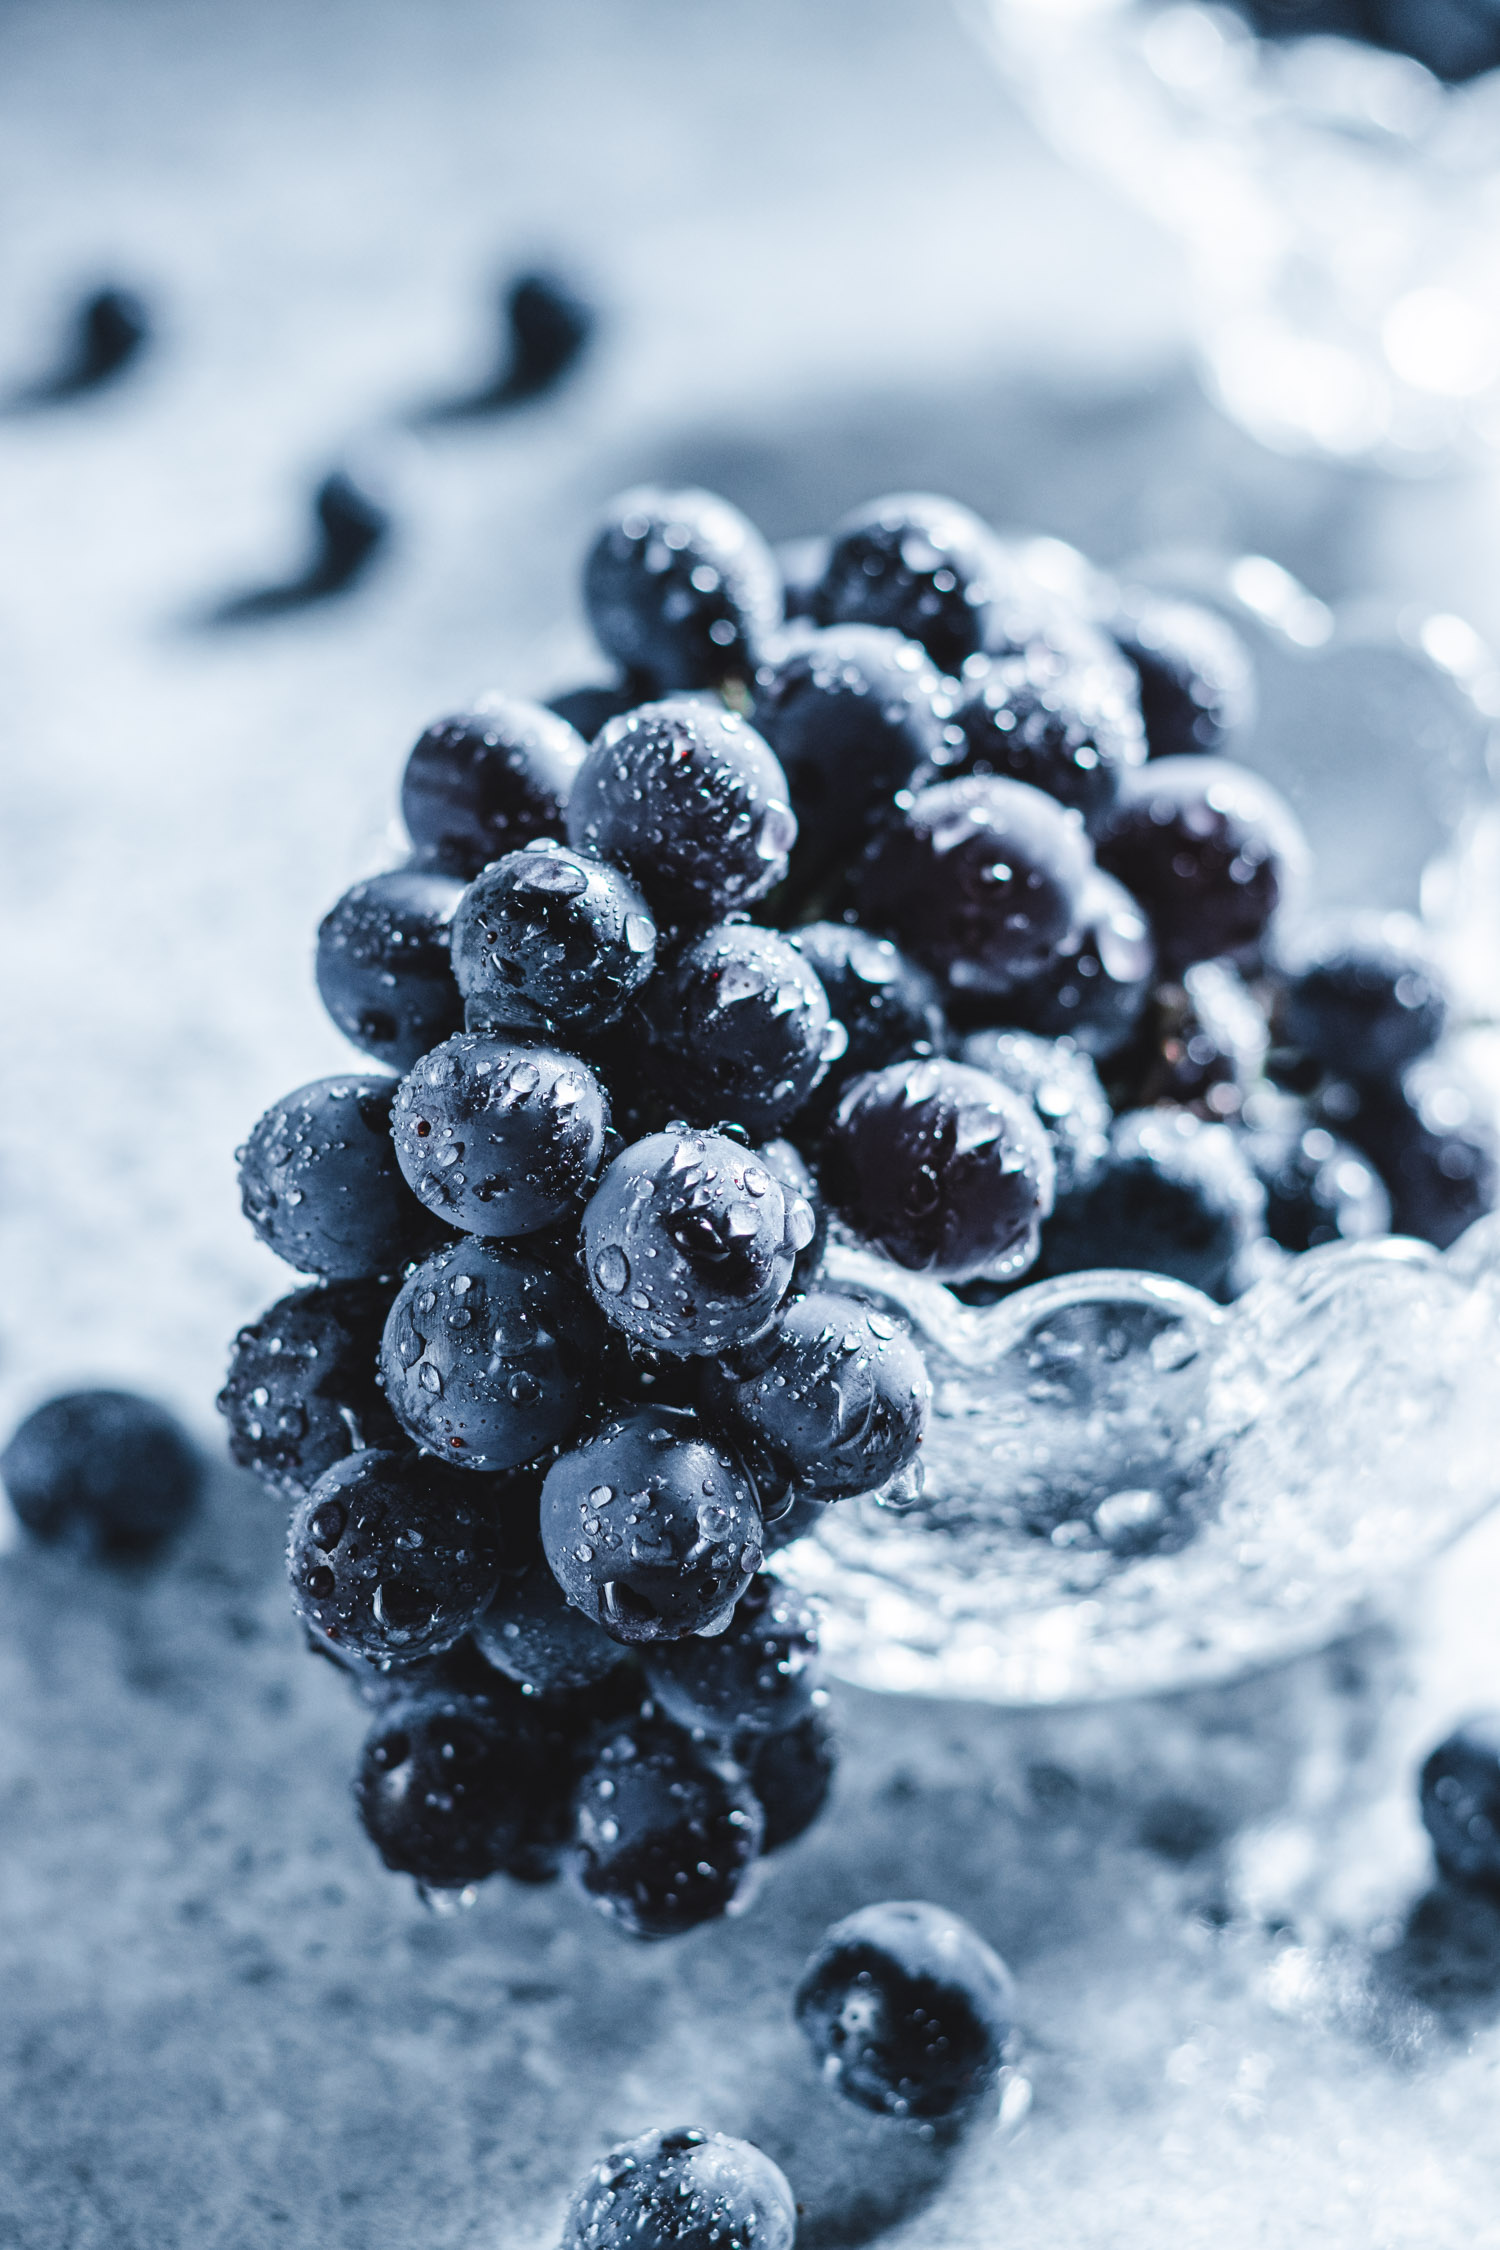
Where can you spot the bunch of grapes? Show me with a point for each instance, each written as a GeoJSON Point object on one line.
{"type": "Point", "coordinates": [888, 891]}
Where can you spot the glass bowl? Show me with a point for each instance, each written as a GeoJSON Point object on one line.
{"type": "Point", "coordinates": [1339, 207]}
{"type": "Point", "coordinates": [1129, 1489]}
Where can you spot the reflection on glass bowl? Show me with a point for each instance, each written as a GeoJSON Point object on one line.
{"type": "Point", "coordinates": [1339, 205]}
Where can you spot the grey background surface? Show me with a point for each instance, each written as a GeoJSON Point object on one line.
{"type": "Point", "coordinates": [834, 261]}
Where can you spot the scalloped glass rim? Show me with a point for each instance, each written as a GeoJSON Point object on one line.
{"type": "Point", "coordinates": [1332, 1430]}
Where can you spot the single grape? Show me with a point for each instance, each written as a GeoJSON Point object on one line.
{"type": "Point", "coordinates": [1318, 1188]}
{"type": "Point", "coordinates": [488, 780]}
{"type": "Point", "coordinates": [301, 1391]}
{"type": "Point", "coordinates": [651, 1526]}
{"type": "Point", "coordinates": [758, 1676]}
{"type": "Point", "coordinates": [393, 1556]}
{"type": "Point", "coordinates": [741, 1028]}
{"type": "Point", "coordinates": [1197, 683]}
{"type": "Point", "coordinates": [667, 1831]}
{"type": "Point", "coordinates": [682, 2190]}
{"type": "Point", "coordinates": [907, 2010]}
{"type": "Point", "coordinates": [108, 1469]}
{"type": "Point", "coordinates": [550, 942]}
{"type": "Point", "coordinates": [983, 881]}
{"type": "Point", "coordinates": [886, 1004]}
{"type": "Point", "coordinates": [837, 1394]}
{"type": "Point", "coordinates": [851, 713]}
{"type": "Point", "coordinates": [1095, 986]}
{"type": "Point", "coordinates": [690, 801]}
{"type": "Point", "coordinates": [498, 1139]}
{"type": "Point", "coordinates": [484, 1355]}
{"type": "Point", "coordinates": [689, 1242]}
{"type": "Point", "coordinates": [942, 1168]}
{"type": "Point", "coordinates": [791, 1774]}
{"type": "Point", "coordinates": [1210, 851]}
{"type": "Point", "coordinates": [383, 967]}
{"type": "Point", "coordinates": [449, 1783]}
{"type": "Point", "coordinates": [1364, 997]}
{"type": "Point", "coordinates": [320, 1184]}
{"type": "Point", "coordinates": [532, 1633]}
{"type": "Point", "coordinates": [1432, 1138]}
{"type": "Point", "coordinates": [681, 588]}
{"type": "Point", "coordinates": [1068, 728]}
{"type": "Point", "coordinates": [917, 564]}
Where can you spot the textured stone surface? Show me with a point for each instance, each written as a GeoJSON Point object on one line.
{"type": "Point", "coordinates": [226, 2025]}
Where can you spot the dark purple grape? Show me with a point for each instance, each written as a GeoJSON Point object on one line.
{"type": "Point", "coordinates": [791, 1774]}
{"type": "Point", "coordinates": [1209, 849]}
{"type": "Point", "coordinates": [488, 780]}
{"type": "Point", "coordinates": [741, 1029]}
{"type": "Point", "coordinates": [449, 1784]}
{"type": "Point", "coordinates": [942, 1168]}
{"type": "Point", "coordinates": [393, 1556]}
{"type": "Point", "coordinates": [982, 880]}
{"type": "Point", "coordinates": [1095, 986]}
{"type": "Point", "coordinates": [681, 588]}
{"type": "Point", "coordinates": [485, 1354]}
{"type": "Point", "coordinates": [550, 942]}
{"type": "Point", "coordinates": [301, 1391]}
{"type": "Point", "coordinates": [651, 1526]}
{"type": "Point", "coordinates": [533, 1634]}
{"type": "Point", "coordinates": [320, 1184]}
{"type": "Point", "coordinates": [498, 1139]}
{"type": "Point", "coordinates": [837, 1394]}
{"type": "Point", "coordinates": [886, 1004]}
{"type": "Point", "coordinates": [918, 564]}
{"type": "Point", "coordinates": [1197, 683]}
{"type": "Point", "coordinates": [682, 2190]}
{"type": "Point", "coordinates": [907, 2010]}
{"type": "Point", "coordinates": [689, 800]}
{"type": "Point", "coordinates": [107, 1469]}
{"type": "Point", "coordinates": [689, 1242]}
{"type": "Point", "coordinates": [758, 1676]}
{"type": "Point", "coordinates": [1364, 997]}
{"type": "Point", "coordinates": [1068, 728]}
{"type": "Point", "coordinates": [383, 967]}
{"type": "Point", "coordinates": [667, 1831]}
{"type": "Point", "coordinates": [851, 713]}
